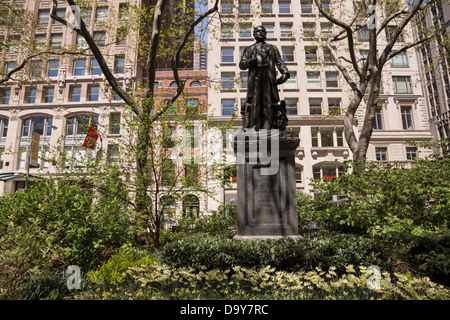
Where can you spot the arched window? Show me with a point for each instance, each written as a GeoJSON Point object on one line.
{"type": "Point", "coordinates": [191, 206]}
{"type": "Point", "coordinates": [196, 84]}
{"type": "Point", "coordinates": [41, 125]}
{"type": "Point", "coordinates": [328, 170]}
{"type": "Point", "coordinates": [173, 84]}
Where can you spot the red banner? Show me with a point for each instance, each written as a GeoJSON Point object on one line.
{"type": "Point", "coordinates": [91, 136]}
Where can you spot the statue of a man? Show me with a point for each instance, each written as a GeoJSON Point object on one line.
{"type": "Point", "coordinates": [260, 59]}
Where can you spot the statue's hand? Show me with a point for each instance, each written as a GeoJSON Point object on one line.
{"type": "Point", "coordinates": [284, 77]}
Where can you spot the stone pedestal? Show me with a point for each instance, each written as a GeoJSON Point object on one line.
{"type": "Point", "coordinates": [267, 201]}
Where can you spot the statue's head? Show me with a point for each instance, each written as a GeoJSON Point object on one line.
{"type": "Point", "coordinates": [260, 33]}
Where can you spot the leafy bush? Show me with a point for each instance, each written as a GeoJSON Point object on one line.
{"type": "Point", "coordinates": [386, 199]}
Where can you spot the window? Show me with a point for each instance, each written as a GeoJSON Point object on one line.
{"type": "Point", "coordinates": [227, 55]}
{"type": "Point", "coordinates": [291, 83]}
{"type": "Point", "coordinates": [287, 54]}
{"type": "Point", "coordinates": [168, 173]}
{"type": "Point", "coordinates": [307, 6]}
{"type": "Point", "coordinates": [81, 42]}
{"type": "Point", "coordinates": [411, 153]}
{"type": "Point", "coordinates": [363, 34]}
{"type": "Point", "coordinates": [173, 84]}
{"type": "Point", "coordinates": [9, 65]}
{"type": "Point", "coordinates": [123, 11]}
{"type": "Point", "coordinates": [86, 14]}
{"type": "Point", "coordinates": [3, 127]}
{"type": "Point", "coordinates": [389, 32]}
{"type": "Point", "coordinates": [99, 38]}
{"type": "Point", "coordinates": [93, 93]}
{"type": "Point", "coordinates": [267, 7]}
{"type": "Point", "coordinates": [30, 95]}
{"type": "Point", "coordinates": [41, 125]}
{"type": "Point", "coordinates": [56, 41]}
{"type": "Point", "coordinates": [79, 67]}
{"type": "Point", "coordinates": [327, 56]}
{"type": "Point", "coordinates": [270, 28]}
{"type": "Point", "coordinates": [191, 173]}
{"type": "Point", "coordinates": [114, 123]}
{"type": "Point", "coordinates": [245, 30]}
{"type": "Point", "coordinates": [227, 80]}
{"type": "Point", "coordinates": [191, 140]}
{"type": "Point", "coordinates": [313, 79]}
{"type": "Point", "coordinates": [340, 137]}
{"type": "Point", "coordinates": [227, 107]}
{"type": "Point", "coordinates": [2, 152]}
{"type": "Point", "coordinates": [311, 54]}
{"type": "Point", "coordinates": [119, 65]}
{"type": "Point", "coordinates": [291, 106]}
{"type": "Point", "coordinates": [14, 43]}
{"type": "Point", "coordinates": [196, 84]}
{"type": "Point", "coordinates": [121, 37]}
{"type": "Point", "coordinates": [102, 14]}
{"type": "Point", "coordinates": [53, 66]}
{"type": "Point", "coordinates": [402, 84]}
{"type": "Point", "coordinates": [192, 106]}
{"type": "Point", "coordinates": [36, 68]}
{"type": "Point", "coordinates": [326, 30]}
{"type": "Point", "coordinates": [113, 153]}
{"type": "Point", "coordinates": [327, 137]}
{"type": "Point", "coordinates": [325, 5]}
{"type": "Point", "coordinates": [226, 31]}
{"type": "Point", "coordinates": [286, 30]}
{"type": "Point", "coordinates": [168, 140]}
{"type": "Point", "coordinates": [378, 121]}
{"type": "Point", "coordinates": [75, 94]}
{"type": "Point", "coordinates": [334, 106]}
{"type": "Point", "coordinates": [44, 15]}
{"type": "Point", "coordinates": [381, 154]}
{"type": "Point", "coordinates": [226, 7]}
{"type": "Point", "coordinates": [79, 125]}
{"type": "Point", "coordinates": [315, 106]}
{"type": "Point", "coordinates": [191, 206]}
{"type": "Point", "coordinates": [332, 79]}
{"type": "Point", "coordinates": [309, 30]}
{"type": "Point", "coordinates": [328, 170]}
{"type": "Point", "coordinates": [406, 114]}
{"type": "Point", "coordinates": [244, 7]}
{"type": "Point", "coordinates": [284, 6]}
{"type": "Point", "coordinates": [47, 94]}
{"type": "Point", "coordinates": [95, 68]}
{"type": "Point", "coordinates": [244, 80]}
{"type": "Point", "coordinates": [400, 60]}
{"type": "Point", "coordinates": [5, 94]}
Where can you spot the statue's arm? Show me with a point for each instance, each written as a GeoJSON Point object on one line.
{"type": "Point", "coordinates": [246, 59]}
{"type": "Point", "coordinates": [281, 67]}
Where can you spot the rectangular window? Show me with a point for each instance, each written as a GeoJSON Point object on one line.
{"type": "Point", "coordinates": [228, 107]}
{"type": "Point", "coordinates": [381, 154]}
{"type": "Point", "coordinates": [291, 106]}
{"type": "Point", "coordinates": [309, 30]}
{"type": "Point", "coordinates": [14, 43]}
{"type": "Point", "coordinates": [114, 123]}
{"type": "Point", "coordinates": [402, 84]}
{"type": "Point", "coordinates": [36, 68]}
{"type": "Point", "coordinates": [79, 67]}
{"type": "Point", "coordinates": [56, 41]}
{"type": "Point", "coordinates": [315, 106]}
{"type": "Point", "coordinates": [406, 114]}
{"type": "Point", "coordinates": [286, 30]}
{"type": "Point", "coordinates": [311, 54]}
{"type": "Point", "coordinates": [81, 42]}
{"type": "Point", "coordinates": [411, 153]}
{"type": "Point", "coordinates": [123, 11]}
{"type": "Point", "coordinates": [100, 38]}
{"type": "Point", "coordinates": [227, 80]}
{"type": "Point", "coordinates": [284, 6]}
{"type": "Point", "coordinates": [48, 94]}
{"type": "Point", "coordinates": [270, 28]}
{"type": "Point", "coordinates": [44, 15]}
{"type": "Point", "coordinates": [340, 137]}
{"type": "Point", "coordinates": [93, 93]}
{"type": "Point", "coordinates": [327, 56]}
{"type": "Point", "coordinates": [291, 83]}
{"type": "Point", "coordinates": [334, 106]}
{"type": "Point", "coordinates": [307, 6]}
{"type": "Point", "coordinates": [244, 80]}
{"type": "Point", "coordinates": [326, 137]}
{"type": "Point", "coordinates": [390, 30]}
{"type": "Point", "coordinates": [226, 7]}
{"type": "Point", "coordinates": [10, 65]}
{"type": "Point", "coordinates": [287, 54]}
{"type": "Point", "coordinates": [378, 121]}
{"type": "Point", "coordinates": [75, 93]}
{"type": "Point", "coordinates": [121, 36]}
{"type": "Point", "coordinates": [400, 60]}
{"type": "Point", "coordinates": [227, 55]}
{"type": "Point", "coordinates": [102, 14]}
{"type": "Point", "coordinates": [95, 68]}
{"type": "Point", "coordinates": [119, 65]}
{"type": "Point", "coordinates": [326, 30]}
{"type": "Point", "coordinates": [6, 93]}
{"type": "Point", "coordinates": [314, 137]}
{"type": "Point", "coordinates": [332, 79]}
{"type": "Point", "coordinates": [267, 7]}
{"type": "Point", "coordinates": [363, 34]}
{"type": "Point", "coordinates": [313, 79]}
{"type": "Point", "coordinates": [31, 95]}
{"type": "Point", "coordinates": [86, 14]}
{"type": "Point", "coordinates": [244, 7]}
{"type": "Point", "coordinates": [113, 153]}
{"type": "Point", "coordinates": [226, 31]}
{"type": "Point", "coordinates": [245, 30]}
{"type": "Point", "coordinates": [53, 66]}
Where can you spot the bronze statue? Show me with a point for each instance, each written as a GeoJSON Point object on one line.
{"type": "Point", "coordinates": [261, 109]}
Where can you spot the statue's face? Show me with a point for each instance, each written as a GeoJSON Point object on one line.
{"type": "Point", "coordinates": [260, 33]}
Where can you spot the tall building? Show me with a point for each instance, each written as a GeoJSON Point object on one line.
{"type": "Point", "coordinates": [316, 95]}
{"type": "Point", "coordinates": [434, 65]}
